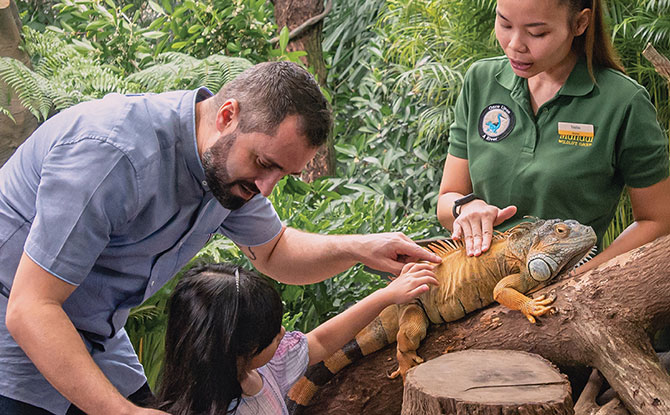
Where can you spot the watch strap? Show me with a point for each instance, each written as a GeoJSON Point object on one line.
{"type": "Point", "coordinates": [460, 202]}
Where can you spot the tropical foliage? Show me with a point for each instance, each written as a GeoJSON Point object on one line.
{"type": "Point", "coordinates": [395, 69]}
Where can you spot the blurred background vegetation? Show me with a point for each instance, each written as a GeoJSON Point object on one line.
{"type": "Point", "coordinates": [394, 69]}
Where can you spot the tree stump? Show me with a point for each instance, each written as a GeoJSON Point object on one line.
{"type": "Point", "coordinates": [487, 382]}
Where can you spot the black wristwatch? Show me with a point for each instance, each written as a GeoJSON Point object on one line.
{"type": "Point", "coordinates": [460, 202]}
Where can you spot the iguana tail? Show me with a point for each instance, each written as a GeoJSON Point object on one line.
{"type": "Point", "coordinates": [379, 333]}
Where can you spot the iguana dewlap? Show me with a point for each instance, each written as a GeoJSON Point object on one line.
{"type": "Point", "coordinates": [520, 260]}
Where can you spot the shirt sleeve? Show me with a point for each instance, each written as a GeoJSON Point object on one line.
{"type": "Point", "coordinates": [458, 131]}
{"type": "Point", "coordinates": [642, 156]}
{"type": "Point", "coordinates": [87, 188]}
{"type": "Point", "coordinates": [290, 360]}
{"type": "Point", "coordinates": [255, 223]}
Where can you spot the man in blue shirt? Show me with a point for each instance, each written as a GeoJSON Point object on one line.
{"type": "Point", "coordinates": [107, 200]}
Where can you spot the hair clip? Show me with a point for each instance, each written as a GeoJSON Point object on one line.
{"type": "Point", "coordinates": [237, 280]}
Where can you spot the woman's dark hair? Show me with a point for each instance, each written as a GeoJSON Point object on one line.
{"type": "Point", "coordinates": [595, 43]}
{"type": "Point", "coordinates": [212, 321]}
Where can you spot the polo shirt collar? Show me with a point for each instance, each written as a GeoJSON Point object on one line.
{"type": "Point", "coordinates": [191, 144]}
{"type": "Point", "coordinates": [506, 77]}
{"type": "Point", "coordinates": [579, 83]}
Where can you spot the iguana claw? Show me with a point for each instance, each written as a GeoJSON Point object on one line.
{"type": "Point", "coordinates": [406, 361]}
{"type": "Point", "coordinates": [537, 307]}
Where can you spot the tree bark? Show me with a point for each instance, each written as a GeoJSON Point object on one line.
{"type": "Point", "coordinates": [12, 134]}
{"type": "Point", "coordinates": [604, 320]}
{"type": "Point", "coordinates": [292, 14]}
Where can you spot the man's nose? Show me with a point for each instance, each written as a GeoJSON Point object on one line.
{"type": "Point", "coordinates": [267, 182]}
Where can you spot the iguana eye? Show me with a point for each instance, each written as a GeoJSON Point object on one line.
{"type": "Point", "coordinates": [561, 229]}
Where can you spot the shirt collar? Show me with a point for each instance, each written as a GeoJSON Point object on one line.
{"type": "Point", "coordinates": [579, 83]}
{"type": "Point", "coordinates": [191, 149]}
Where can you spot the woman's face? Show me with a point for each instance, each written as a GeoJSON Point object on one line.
{"type": "Point", "coordinates": [537, 35]}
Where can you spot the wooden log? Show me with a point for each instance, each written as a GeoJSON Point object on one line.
{"type": "Point", "coordinates": [487, 382]}
{"type": "Point", "coordinates": [604, 320]}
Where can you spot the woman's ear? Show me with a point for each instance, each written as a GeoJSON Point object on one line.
{"type": "Point", "coordinates": [581, 22]}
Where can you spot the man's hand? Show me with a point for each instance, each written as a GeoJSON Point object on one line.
{"type": "Point", "coordinates": [391, 251]}
{"type": "Point", "coordinates": [475, 225]}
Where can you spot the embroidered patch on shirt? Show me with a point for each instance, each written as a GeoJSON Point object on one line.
{"type": "Point", "coordinates": [574, 134]}
{"type": "Point", "coordinates": [496, 122]}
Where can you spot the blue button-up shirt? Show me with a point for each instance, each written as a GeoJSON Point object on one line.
{"type": "Point", "coordinates": [110, 196]}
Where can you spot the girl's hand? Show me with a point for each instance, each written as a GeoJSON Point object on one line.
{"type": "Point", "coordinates": [414, 280]}
{"type": "Point", "coordinates": [475, 225]}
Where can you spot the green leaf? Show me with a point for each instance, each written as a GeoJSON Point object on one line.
{"type": "Point", "coordinates": [178, 45]}
{"type": "Point", "coordinates": [197, 28]}
{"type": "Point", "coordinates": [167, 5]}
{"type": "Point", "coordinates": [83, 45]}
{"type": "Point", "coordinates": [283, 38]}
{"type": "Point", "coordinates": [153, 35]}
{"type": "Point", "coordinates": [96, 25]}
{"type": "Point", "coordinates": [156, 7]}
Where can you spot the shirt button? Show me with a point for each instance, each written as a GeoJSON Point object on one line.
{"type": "Point", "coordinates": [153, 283]}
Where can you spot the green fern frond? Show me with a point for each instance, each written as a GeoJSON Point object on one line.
{"type": "Point", "coordinates": [175, 70]}
{"type": "Point", "coordinates": [6, 112]}
{"type": "Point", "coordinates": [27, 85]}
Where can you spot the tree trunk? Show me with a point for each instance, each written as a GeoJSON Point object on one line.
{"type": "Point", "coordinates": [487, 382]}
{"type": "Point", "coordinates": [293, 14]}
{"type": "Point", "coordinates": [12, 134]}
{"type": "Point", "coordinates": [604, 319]}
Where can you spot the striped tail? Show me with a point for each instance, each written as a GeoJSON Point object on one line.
{"type": "Point", "coordinates": [379, 333]}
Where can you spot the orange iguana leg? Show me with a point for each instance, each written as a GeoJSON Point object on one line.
{"type": "Point", "coordinates": [412, 329]}
{"type": "Point", "coordinates": [507, 292]}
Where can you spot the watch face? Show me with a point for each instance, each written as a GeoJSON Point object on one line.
{"type": "Point", "coordinates": [496, 122]}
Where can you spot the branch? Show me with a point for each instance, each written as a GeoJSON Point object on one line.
{"type": "Point", "coordinates": [660, 62]}
{"type": "Point", "coordinates": [298, 31]}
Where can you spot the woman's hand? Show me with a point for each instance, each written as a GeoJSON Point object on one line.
{"type": "Point", "coordinates": [475, 225]}
{"type": "Point", "coordinates": [414, 280]}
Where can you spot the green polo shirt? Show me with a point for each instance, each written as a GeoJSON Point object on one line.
{"type": "Point", "coordinates": [572, 159]}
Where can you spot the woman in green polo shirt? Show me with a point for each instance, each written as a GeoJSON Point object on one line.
{"type": "Point", "coordinates": [553, 129]}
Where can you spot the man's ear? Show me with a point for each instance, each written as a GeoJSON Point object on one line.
{"type": "Point", "coordinates": [227, 116]}
{"type": "Point", "coordinates": [581, 22]}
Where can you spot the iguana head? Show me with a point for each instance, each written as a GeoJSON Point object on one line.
{"type": "Point", "coordinates": [551, 246]}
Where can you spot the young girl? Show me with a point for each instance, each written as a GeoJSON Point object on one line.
{"type": "Point", "coordinates": [554, 129]}
{"type": "Point", "coordinates": [227, 352]}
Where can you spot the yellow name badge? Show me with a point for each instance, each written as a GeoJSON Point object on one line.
{"type": "Point", "coordinates": [575, 134]}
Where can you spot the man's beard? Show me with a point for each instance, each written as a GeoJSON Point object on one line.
{"type": "Point", "coordinates": [214, 162]}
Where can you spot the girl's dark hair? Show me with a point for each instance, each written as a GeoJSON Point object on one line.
{"type": "Point", "coordinates": [210, 325]}
{"type": "Point", "coordinates": [595, 43]}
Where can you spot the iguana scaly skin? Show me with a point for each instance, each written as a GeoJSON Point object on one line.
{"type": "Point", "coordinates": [520, 260]}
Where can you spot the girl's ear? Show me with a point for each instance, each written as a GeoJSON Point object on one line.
{"type": "Point", "coordinates": [581, 22]}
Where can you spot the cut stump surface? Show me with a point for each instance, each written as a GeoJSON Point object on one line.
{"type": "Point", "coordinates": [487, 382]}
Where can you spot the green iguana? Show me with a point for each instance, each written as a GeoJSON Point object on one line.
{"type": "Point", "coordinates": [520, 260]}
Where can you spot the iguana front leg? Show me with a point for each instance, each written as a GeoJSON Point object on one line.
{"type": "Point", "coordinates": [508, 292]}
{"type": "Point", "coordinates": [413, 324]}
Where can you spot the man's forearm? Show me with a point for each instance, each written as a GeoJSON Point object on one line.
{"type": "Point", "coordinates": [305, 258]}
{"type": "Point", "coordinates": [47, 336]}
